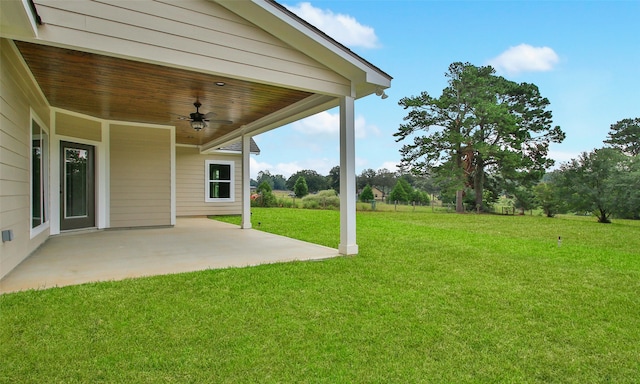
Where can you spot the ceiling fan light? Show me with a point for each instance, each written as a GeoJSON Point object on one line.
{"type": "Point", "coordinates": [198, 125]}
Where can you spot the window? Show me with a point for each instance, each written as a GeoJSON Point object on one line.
{"type": "Point", "coordinates": [219, 186]}
{"type": "Point", "coordinates": [39, 175]}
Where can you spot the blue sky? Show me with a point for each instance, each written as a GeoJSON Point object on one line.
{"type": "Point", "coordinates": [583, 55]}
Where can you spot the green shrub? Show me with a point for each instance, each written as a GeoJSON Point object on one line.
{"type": "Point", "coordinates": [363, 207]}
{"type": "Point", "coordinates": [267, 200]}
{"type": "Point", "coordinates": [285, 203]}
{"type": "Point", "coordinates": [327, 193]}
{"type": "Point", "coordinates": [310, 204]}
{"type": "Point", "coordinates": [323, 199]}
{"type": "Point", "coordinates": [265, 197]}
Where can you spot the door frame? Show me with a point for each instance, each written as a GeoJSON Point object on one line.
{"type": "Point", "coordinates": [90, 219]}
{"type": "Point", "coordinates": [101, 167]}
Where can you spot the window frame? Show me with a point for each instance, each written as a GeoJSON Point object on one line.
{"type": "Point", "coordinates": [208, 181]}
{"type": "Point", "coordinates": [45, 141]}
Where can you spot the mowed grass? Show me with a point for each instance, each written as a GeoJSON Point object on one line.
{"type": "Point", "coordinates": [430, 298]}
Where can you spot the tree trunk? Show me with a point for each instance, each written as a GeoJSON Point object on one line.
{"type": "Point", "coordinates": [459, 205]}
{"type": "Point", "coordinates": [459, 169]}
{"type": "Point", "coordinates": [478, 183]}
{"type": "Point", "coordinates": [604, 217]}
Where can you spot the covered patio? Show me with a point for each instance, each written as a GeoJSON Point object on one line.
{"type": "Point", "coordinates": [119, 115]}
{"type": "Point", "coordinates": [193, 244]}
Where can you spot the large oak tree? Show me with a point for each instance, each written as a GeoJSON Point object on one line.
{"type": "Point", "coordinates": [481, 124]}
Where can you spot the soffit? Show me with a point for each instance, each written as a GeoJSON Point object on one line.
{"type": "Point", "coordinates": [124, 90]}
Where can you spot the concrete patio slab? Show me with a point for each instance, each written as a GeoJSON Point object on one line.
{"type": "Point", "coordinates": [193, 244]}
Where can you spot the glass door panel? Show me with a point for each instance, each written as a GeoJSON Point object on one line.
{"type": "Point", "coordinates": [78, 186]}
{"type": "Point", "coordinates": [75, 187]}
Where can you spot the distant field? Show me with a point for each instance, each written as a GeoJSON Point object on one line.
{"type": "Point", "coordinates": [379, 206]}
{"type": "Point", "coordinates": [432, 297]}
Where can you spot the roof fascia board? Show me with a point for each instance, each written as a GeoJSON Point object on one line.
{"type": "Point", "coordinates": [228, 152]}
{"type": "Point", "coordinates": [223, 151]}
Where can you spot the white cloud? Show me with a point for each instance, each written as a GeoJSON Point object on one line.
{"type": "Point", "coordinates": [363, 129]}
{"type": "Point", "coordinates": [256, 166]}
{"type": "Point", "coordinates": [284, 169]}
{"type": "Point", "coordinates": [344, 28]}
{"type": "Point", "coordinates": [525, 58]}
{"type": "Point", "coordinates": [325, 123]}
{"type": "Point", "coordinates": [390, 165]}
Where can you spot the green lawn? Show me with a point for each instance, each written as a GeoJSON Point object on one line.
{"type": "Point", "coordinates": [432, 297]}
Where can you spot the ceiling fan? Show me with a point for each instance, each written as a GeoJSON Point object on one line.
{"type": "Point", "coordinates": [200, 120]}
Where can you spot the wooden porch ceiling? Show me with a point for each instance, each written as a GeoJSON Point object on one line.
{"type": "Point", "coordinates": [124, 90]}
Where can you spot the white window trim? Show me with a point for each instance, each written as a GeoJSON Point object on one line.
{"type": "Point", "coordinates": [44, 169]}
{"type": "Point", "coordinates": [232, 196]}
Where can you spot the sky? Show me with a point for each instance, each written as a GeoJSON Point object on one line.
{"type": "Point", "coordinates": [584, 56]}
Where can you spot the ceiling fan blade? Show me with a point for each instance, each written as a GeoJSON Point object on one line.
{"type": "Point", "coordinates": [176, 117]}
{"type": "Point", "coordinates": [209, 115]}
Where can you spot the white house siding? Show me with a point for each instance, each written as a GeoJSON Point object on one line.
{"type": "Point", "coordinates": [17, 96]}
{"type": "Point", "coordinates": [200, 35]}
{"type": "Point", "coordinates": [190, 184]}
{"type": "Point", "coordinates": [140, 176]}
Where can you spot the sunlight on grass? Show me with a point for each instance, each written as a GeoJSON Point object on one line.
{"type": "Point", "coordinates": [432, 297]}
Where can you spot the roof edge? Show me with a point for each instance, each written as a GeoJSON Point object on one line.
{"type": "Point", "coordinates": [330, 39]}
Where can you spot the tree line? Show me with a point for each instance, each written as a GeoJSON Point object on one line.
{"type": "Point", "coordinates": [394, 186]}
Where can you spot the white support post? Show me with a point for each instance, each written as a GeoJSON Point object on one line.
{"type": "Point", "coordinates": [246, 182]}
{"type": "Point", "coordinates": [348, 244]}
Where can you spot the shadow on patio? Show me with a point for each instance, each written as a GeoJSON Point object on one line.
{"type": "Point", "coordinates": [193, 244]}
